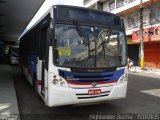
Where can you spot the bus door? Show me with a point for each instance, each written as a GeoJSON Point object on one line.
{"type": "Point", "coordinates": [44, 54]}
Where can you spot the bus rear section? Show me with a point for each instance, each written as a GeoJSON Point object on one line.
{"type": "Point", "coordinates": [75, 55]}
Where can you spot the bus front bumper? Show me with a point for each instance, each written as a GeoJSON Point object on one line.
{"type": "Point", "coordinates": [58, 96]}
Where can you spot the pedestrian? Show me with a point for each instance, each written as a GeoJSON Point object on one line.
{"type": "Point", "coordinates": [130, 63]}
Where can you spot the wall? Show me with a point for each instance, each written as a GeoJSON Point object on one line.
{"type": "Point", "coordinates": [152, 54]}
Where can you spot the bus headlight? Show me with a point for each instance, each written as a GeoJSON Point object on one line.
{"type": "Point", "coordinates": [123, 79]}
{"type": "Point", "coordinates": [54, 81]}
{"type": "Point", "coordinates": [62, 83]}
{"type": "Point", "coordinates": [58, 81]}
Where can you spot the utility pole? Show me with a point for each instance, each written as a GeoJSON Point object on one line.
{"type": "Point", "coordinates": [141, 52]}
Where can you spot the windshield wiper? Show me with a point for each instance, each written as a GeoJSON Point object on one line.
{"type": "Point", "coordinates": [83, 36]}
{"type": "Point", "coordinates": [108, 33]}
{"type": "Point", "coordinates": [80, 32]}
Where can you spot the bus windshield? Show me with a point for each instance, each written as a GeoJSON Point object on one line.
{"type": "Point", "coordinates": [88, 46]}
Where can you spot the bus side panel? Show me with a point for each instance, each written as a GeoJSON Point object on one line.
{"type": "Point", "coordinates": [46, 85]}
{"type": "Point", "coordinates": [39, 73]}
{"type": "Point", "coordinates": [32, 67]}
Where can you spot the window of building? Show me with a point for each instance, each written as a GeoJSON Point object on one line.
{"type": "Point", "coordinates": [155, 15]}
{"type": "Point", "coordinates": [120, 3]}
{"type": "Point", "coordinates": [133, 21]}
{"type": "Point", "coordinates": [158, 13]}
{"type": "Point", "coordinates": [145, 19]}
{"type": "Point", "coordinates": [112, 6]}
{"type": "Point", "coordinates": [129, 23]}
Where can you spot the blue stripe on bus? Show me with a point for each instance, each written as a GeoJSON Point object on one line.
{"type": "Point", "coordinates": [92, 77]}
{"type": "Point", "coordinates": [67, 73]}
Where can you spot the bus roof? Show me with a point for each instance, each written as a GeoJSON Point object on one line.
{"type": "Point", "coordinates": [48, 5]}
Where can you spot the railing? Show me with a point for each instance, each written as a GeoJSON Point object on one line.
{"type": "Point", "coordinates": [145, 23]}
{"type": "Point", "coordinates": [121, 3]}
{"type": "Point", "coordinates": [129, 1]}
{"type": "Point", "coordinates": [155, 20]}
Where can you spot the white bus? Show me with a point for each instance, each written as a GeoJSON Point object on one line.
{"type": "Point", "coordinates": [74, 55]}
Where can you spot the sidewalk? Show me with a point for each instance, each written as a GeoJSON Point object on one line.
{"type": "Point", "coordinates": [8, 101]}
{"type": "Point", "coordinates": [137, 69]}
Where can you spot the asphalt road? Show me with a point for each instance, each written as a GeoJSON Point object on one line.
{"type": "Point", "coordinates": [33, 108]}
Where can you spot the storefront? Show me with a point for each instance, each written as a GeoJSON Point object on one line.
{"type": "Point", "coordinates": [151, 45]}
{"type": "Point", "coordinates": [152, 54]}
{"type": "Point", "coordinates": [133, 51]}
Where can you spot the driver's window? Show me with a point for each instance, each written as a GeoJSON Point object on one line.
{"type": "Point", "coordinates": [112, 46]}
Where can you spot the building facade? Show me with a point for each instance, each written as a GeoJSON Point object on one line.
{"type": "Point", "coordinates": [130, 11]}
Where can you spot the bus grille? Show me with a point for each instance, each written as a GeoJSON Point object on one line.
{"type": "Point", "coordinates": [86, 96]}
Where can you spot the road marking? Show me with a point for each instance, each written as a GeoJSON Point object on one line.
{"type": "Point", "coordinates": [154, 92]}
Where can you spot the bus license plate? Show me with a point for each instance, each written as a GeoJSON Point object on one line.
{"type": "Point", "coordinates": [94, 91]}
